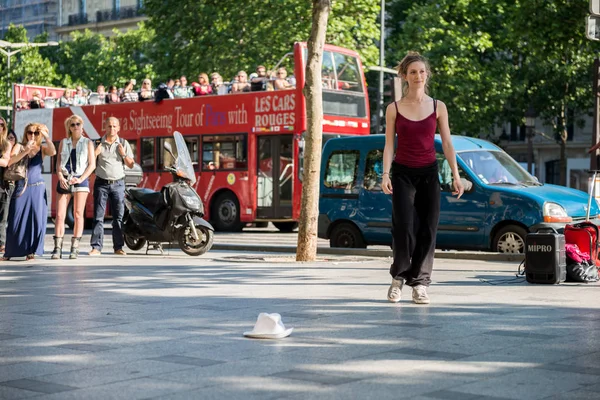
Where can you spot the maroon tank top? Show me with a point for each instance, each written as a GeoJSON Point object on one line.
{"type": "Point", "coordinates": [415, 140]}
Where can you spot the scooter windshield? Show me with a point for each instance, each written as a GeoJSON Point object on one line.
{"type": "Point", "coordinates": [184, 160]}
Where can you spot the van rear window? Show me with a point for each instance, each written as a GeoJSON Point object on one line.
{"type": "Point", "coordinates": [341, 169]}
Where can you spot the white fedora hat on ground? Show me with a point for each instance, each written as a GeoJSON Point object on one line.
{"type": "Point", "coordinates": [269, 326]}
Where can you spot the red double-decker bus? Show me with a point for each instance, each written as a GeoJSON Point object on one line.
{"type": "Point", "coordinates": [246, 148]}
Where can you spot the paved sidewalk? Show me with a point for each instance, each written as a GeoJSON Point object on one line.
{"type": "Point", "coordinates": [170, 327]}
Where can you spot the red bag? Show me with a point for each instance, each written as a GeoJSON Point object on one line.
{"type": "Point", "coordinates": [585, 235]}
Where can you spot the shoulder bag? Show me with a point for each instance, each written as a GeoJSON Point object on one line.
{"type": "Point", "coordinates": [17, 171]}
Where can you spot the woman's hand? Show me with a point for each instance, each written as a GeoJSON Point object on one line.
{"type": "Point", "coordinates": [63, 182]}
{"type": "Point", "coordinates": [458, 188]}
{"type": "Point", "coordinates": [386, 183]}
{"type": "Point", "coordinates": [75, 180]}
{"type": "Point", "coordinates": [45, 134]}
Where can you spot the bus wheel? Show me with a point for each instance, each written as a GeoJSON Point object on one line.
{"type": "Point", "coordinates": [510, 239]}
{"type": "Point", "coordinates": [70, 217]}
{"type": "Point", "coordinates": [346, 235]}
{"type": "Point", "coordinates": [286, 226]}
{"type": "Point", "coordinates": [225, 213]}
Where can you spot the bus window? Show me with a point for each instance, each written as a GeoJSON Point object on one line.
{"type": "Point", "coordinates": [373, 170]}
{"type": "Point", "coordinates": [148, 154]}
{"type": "Point", "coordinates": [133, 145]}
{"type": "Point", "coordinates": [343, 91]}
{"type": "Point", "coordinates": [224, 152]}
{"type": "Point", "coordinates": [165, 158]}
{"type": "Point", "coordinates": [193, 148]}
{"type": "Point", "coordinates": [341, 169]}
{"type": "Point", "coordinates": [347, 73]}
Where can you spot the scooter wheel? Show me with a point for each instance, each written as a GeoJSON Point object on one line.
{"type": "Point", "coordinates": [134, 244]}
{"type": "Point", "coordinates": [193, 247]}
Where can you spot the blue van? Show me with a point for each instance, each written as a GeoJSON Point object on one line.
{"type": "Point", "coordinates": [501, 204]}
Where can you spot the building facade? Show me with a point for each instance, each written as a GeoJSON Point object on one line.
{"type": "Point", "coordinates": [37, 16]}
{"type": "Point", "coordinates": [100, 16]}
{"type": "Point", "coordinates": [546, 151]}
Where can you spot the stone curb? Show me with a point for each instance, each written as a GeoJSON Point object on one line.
{"type": "Point", "coordinates": [458, 255]}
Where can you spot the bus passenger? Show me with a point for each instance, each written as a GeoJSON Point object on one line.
{"type": "Point", "coordinates": [112, 154]}
{"type": "Point", "coordinates": [66, 99]}
{"type": "Point", "coordinates": [80, 98]}
{"type": "Point", "coordinates": [242, 84]}
{"type": "Point", "coordinates": [281, 82]}
{"type": "Point", "coordinates": [76, 162]}
{"type": "Point", "coordinates": [203, 87]}
{"type": "Point", "coordinates": [259, 82]}
{"type": "Point", "coordinates": [181, 90]}
{"type": "Point", "coordinates": [217, 84]}
{"type": "Point", "coordinates": [36, 100]}
{"type": "Point", "coordinates": [146, 92]}
{"type": "Point", "coordinates": [411, 124]}
{"type": "Point", "coordinates": [113, 95]}
{"type": "Point", "coordinates": [129, 95]}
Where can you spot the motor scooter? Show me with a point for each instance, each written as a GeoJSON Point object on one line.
{"type": "Point", "coordinates": [175, 213]}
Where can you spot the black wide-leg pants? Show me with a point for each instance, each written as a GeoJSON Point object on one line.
{"type": "Point", "coordinates": [415, 217]}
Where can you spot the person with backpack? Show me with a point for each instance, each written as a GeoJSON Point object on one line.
{"type": "Point", "coordinates": [112, 155]}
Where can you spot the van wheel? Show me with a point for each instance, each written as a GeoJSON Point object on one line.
{"type": "Point", "coordinates": [510, 239]}
{"type": "Point", "coordinates": [225, 213]}
{"type": "Point", "coordinates": [346, 235]}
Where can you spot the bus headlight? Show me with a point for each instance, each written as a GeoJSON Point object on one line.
{"type": "Point", "coordinates": [554, 212]}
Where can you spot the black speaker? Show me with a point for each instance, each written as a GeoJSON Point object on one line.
{"type": "Point", "coordinates": [545, 259]}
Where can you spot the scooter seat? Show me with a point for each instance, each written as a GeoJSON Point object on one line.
{"type": "Point", "coordinates": [152, 200]}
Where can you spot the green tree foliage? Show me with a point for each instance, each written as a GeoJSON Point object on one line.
{"type": "Point", "coordinates": [91, 59]}
{"type": "Point", "coordinates": [463, 39]}
{"type": "Point", "coordinates": [27, 66]}
{"type": "Point", "coordinates": [491, 59]}
{"type": "Point", "coordinates": [227, 36]}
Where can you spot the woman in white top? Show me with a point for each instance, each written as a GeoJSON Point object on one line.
{"type": "Point", "coordinates": [76, 162]}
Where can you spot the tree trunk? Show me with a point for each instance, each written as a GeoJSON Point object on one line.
{"type": "Point", "coordinates": [564, 135]}
{"type": "Point", "coordinates": [309, 212]}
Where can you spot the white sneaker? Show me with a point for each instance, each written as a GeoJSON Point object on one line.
{"type": "Point", "coordinates": [419, 294]}
{"type": "Point", "coordinates": [395, 290]}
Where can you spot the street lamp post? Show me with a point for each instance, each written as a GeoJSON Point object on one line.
{"type": "Point", "coordinates": [530, 116]}
{"type": "Point", "coordinates": [6, 49]}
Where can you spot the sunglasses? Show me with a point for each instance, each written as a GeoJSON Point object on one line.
{"type": "Point", "coordinates": [2, 124]}
{"type": "Point", "coordinates": [36, 133]}
{"type": "Point", "coordinates": [12, 138]}
{"type": "Point", "coordinates": [73, 124]}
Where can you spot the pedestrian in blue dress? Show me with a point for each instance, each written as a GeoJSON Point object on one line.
{"type": "Point", "coordinates": [28, 211]}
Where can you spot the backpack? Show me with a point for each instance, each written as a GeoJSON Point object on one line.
{"type": "Point", "coordinates": [586, 236]}
{"type": "Point", "coordinates": [579, 266]}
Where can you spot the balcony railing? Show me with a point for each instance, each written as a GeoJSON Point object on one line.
{"type": "Point", "coordinates": [105, 15]}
